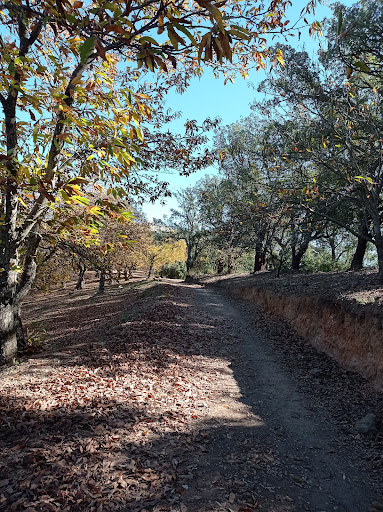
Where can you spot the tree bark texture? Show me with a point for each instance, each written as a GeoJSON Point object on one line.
{"type": "Point", "coordinates": [81, 277]}
{"type": "Point", "coordinates": [260, 258]}
{"type": "Point", "coordinates": [297, 256]}
{"type": "Point", "coordinates": [360, 251]}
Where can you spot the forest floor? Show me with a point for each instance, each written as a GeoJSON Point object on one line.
{"type": "Point", "coordinates": [162, 396]}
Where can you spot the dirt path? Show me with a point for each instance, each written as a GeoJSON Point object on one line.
{"type": "Point", "coordinates": [164, 397]}
{"type": "Point", "coordinates": [291, 455]}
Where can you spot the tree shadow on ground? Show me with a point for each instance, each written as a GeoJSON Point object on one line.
{"type": "Point", "coordinates": [143, 444]}
{"type": "Point", "coordinates": [111, 424]}
{"type": "Point", "coordinates": [110, 456]}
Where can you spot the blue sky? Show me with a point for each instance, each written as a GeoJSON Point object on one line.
{"type": "Point", "coordinates": [210, 97]}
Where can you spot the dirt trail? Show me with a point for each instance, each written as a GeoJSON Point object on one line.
{"type": "Point", "coordinates": [291, 455]}
{"type": "Point", "coordinates": [164, 397]}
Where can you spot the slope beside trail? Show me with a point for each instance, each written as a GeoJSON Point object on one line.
{"type": "Point", "coordinates": [162, 396]}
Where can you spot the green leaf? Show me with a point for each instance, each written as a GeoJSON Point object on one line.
{"type": "Point", "coordinates": [149, 40]}
{"type": "Point", "coordinates": [80, 200]}
{"type": "Point", "coordinates": [216, 13]}
{"type": "Point", "coordinates": [86, 49]}
{"type": "Point", "coordinates": [362, 66]}
{"type": "Point", "coordinates": [139, 133]}
{"type": "Point", "coordinates": [239, 34]}
{"type": "Point", "coordinates": [186, 32]}
{"type": "Point", "coordinates": [16, 268]}
{"type": "Point", "coordinates": [128, 215]}
{"type": "Point", "coordinates": [109, 5]}
{"type": "Point", "coordinates": [65, 196]}
{"type": "Point", "coordinates": [70, 18]}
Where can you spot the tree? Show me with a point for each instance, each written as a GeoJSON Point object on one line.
{"type": "Point", "coordinates": [341, 140]}
{"type": "Point", "coordinates": [158, 254]}
{"type": "Point", "coordinates": [185, 221]}
{"type": "Point", "coordinates": [255, 205]}
{"type": "Point", "coordinates": [217, 198]}
{"type": "Point", "coordinates": [71, 111]}
{"type": "Point", "coordinates": [354, 34]}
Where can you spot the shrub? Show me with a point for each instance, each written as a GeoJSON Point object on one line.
{"type": "Point", "coordinates": [175, 270]}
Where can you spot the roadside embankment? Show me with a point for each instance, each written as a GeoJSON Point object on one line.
{"type": "Point", "coordinates": [339, 313]}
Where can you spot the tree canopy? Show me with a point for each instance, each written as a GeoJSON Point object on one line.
{"type": "Point", "coordinates": [74, 97]}
{"type": "Point", "coordinates": [305, 168]}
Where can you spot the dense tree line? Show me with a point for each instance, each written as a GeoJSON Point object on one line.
{"type": "Point", "coordinates": [305, 169]}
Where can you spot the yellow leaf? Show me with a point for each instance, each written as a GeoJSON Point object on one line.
{"type": "Point", "coordinates": [279, 56]}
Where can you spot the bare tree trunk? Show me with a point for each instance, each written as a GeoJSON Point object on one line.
{"type": "Point", "coordinates": [297, 257]}
{"type": "Point", "coordinates": [8, 328]}
{"type": "Point", "coordinates": [11, 331]}
{"type": "Point", "coordinates": [379, 249]}
{"type": "Point", "coordinates": [81, 276]}
{"type": "Point", "coordinates": [360, 251]}
{"type": "Point", "coordinates": [189, 260]}
{"type": "Point", "coordinates": [331, 242]}
{"type": "Point", "coordinates": [378, 239]}
{"type": "Point", "coordinates": [260, 258]}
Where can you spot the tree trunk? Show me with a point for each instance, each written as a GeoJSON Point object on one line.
{"type": "Point", "coordinates": [230, 264]}
{"type": "Point", "coordinates": [189, 261]}
{"type": "Point", "coordinates": [358, 258]}
{"type": "Point", "coordinates": [331, 242]}
{"type": "Point", "coordinates": [9, 307]}
{"type": "Point", "coordinates": [12, 332]}
{"type": "Point", "coordinates": [297, 257]}
{"type": "Point", "coordinates": [260, 258]}
{"type": "Point", "coordinates": [379, 250]}
{"type": "Point", "coordinates": [360, 251]}
{"type": "Point", "coordinates": [81, 278]}
{"type": "Point", "coordinates": [11, 296]}
{"type": "Point", "coordinates": [8, 330]}
{"type": "Point", "coordinates": [280, 263]}
{"type": "Point", "coordinates": [378, 239]}
{"type": "Point", "coordinates": [101, 284]}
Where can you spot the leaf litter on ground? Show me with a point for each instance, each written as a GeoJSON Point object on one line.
{"type": "Point", "coordinates": [107, 416]}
